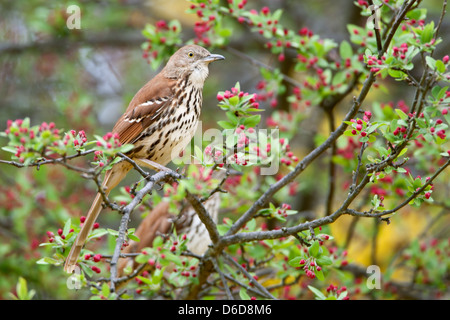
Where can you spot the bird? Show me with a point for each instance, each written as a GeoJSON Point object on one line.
{"type": "Point", "coordinates": [160, 222]}
{"type": "Point", "coordinates": [160, 121]}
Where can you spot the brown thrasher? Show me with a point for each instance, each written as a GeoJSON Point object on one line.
{"type": "Point", "coordinates": [160, 221]}
{"type": "Point", "coordinates": [160, 121]}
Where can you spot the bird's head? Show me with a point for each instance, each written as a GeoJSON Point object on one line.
{"type": "Point", "coordinates": [192, 61]}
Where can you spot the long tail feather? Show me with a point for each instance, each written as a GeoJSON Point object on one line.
{"type": "Point", "coordinates": [112, 178]}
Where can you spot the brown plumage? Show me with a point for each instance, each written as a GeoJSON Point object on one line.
{"type": "Point", "coordinates": [160, 222]}
{"type": "Point", "coordinates": [159, 121]}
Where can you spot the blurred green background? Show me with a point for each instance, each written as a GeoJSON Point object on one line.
{"type": "Point", "coordinates": [83, 80]}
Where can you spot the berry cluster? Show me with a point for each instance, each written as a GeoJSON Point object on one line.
{"type": "Point", "coordinates": [78, 140]}
{"type": "Point", "coordinates": [161, 37]}
{"type": "Point", "coordinates": [106, 147]}
{"type": "Point", "coordinates": [360, 126]}
{"type": "Point", "coordinates": [374, 63]}
{"type": "Point", "coordinates": [162, 254]}
{"type": "Point", "coordinates": [400, 52]}
{"type": "Point", "coordinates": [109, 141]}
{"type": "Point", "coordinates": [51, 235]}
{"type": "Point", "coordinates": [289, 157]}
{"type": "Point", "coordinates": [208, 31]}
{"type": "Point", "coordinates": [335, 291]}
{"type": "Point", "coordinates": [310, 267]}
{"type": "Point", "coordinates": [26, 142]}
{"type": "Point", "coordinates": [285, 210]}
{"type": "Point", "coordinates": [439, 132]}
{"type": "Point", "coordinates": [95, 258]}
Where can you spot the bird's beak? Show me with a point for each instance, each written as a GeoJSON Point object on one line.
{"type": "Point", "coordinates": [213, 57]}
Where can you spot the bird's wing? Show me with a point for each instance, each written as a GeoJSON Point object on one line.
{"type": "Point", "coordinates": [145, 108]}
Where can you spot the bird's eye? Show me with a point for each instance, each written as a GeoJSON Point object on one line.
{"type": "Point", "coordinates": [190, 54]}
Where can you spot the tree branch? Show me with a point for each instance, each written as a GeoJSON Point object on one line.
{"type": "Point", "coordinates": [127, 210]}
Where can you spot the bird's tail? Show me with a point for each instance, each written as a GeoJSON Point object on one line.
{"type": "Point", "coordinates": [112, 178]}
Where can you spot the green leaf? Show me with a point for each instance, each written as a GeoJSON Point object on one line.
{"type": "Point", "coordinates": [345, 50]}
{"type": "Point", "coordinates": [226, 125]}
{"type": "Point", "coordinates": [157, 242]}
{"type": "Point", "coordinates": [198, 153]}
{"type": "Point", "coordinates": [233, 118]}
{"type": "Point", "coordinates": [126, 147]}
{"type": "Point", "coordinates": [22, 290]}
{"type": "Point", "coordinates": [133, 237]}
{"type": "Point", "coordinates": [234, 100]}
{"type": "Point", "coordinates": [404, 150]}
{"type": "Point", "coordinates": [225, 32]}
{"type": "Point", "coordinates": [157, 275]}
{"type": "Point", "coordinates": [145, 280]}
{"type": "Point", "coordinates": [395, 73]}
{"type": "Point", "coordinates": [430, 62]}
{"type": "Point", "coordinates": [319, 275]}
{"type": "Point", "coordinates": [105, 290]}
{"type": "Point", "coordinates": [252, 121]}
{"type": "Point", "coordinates": [427, 33]}
{"type": "Point", "coordinates": [401, 114]}
{"type": "Point", "coordinates": [440, 66]}
{"type": "Point", "coordinates": [319, 295]}
{"type": "Point", "coordinates": [348, 133]}
{"type": "Point", "coordinates": [417, 14]}
{"type": "Point", "coordinates": [47, 260]}
{"type": "Point", "coordinates": [324, 261]}
{"type": "Point", "coordinates": [9, 149]}
{"type": "Point", "coordinates": [342, 295]}
{"type": "Point", "coordinates": [222, 229]}
{"type": "Point", "coordinates": [243, 294]}
{"type": "Point", "coordinates": [295, 262]}
{"type": "Point", "coordinates": [314, 249]}
{"type": "Point", "coordinates": [339, 78]}
{"type": "Point", "coordinates": [173, 258]}
{"type": "Point", "coordinates": [438, 93]}
{"type": "Point", "coordinates": [67, 227]}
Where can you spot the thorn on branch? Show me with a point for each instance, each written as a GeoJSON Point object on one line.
{"type": "Point", "coordinates": [386, 219]}
{"type": "Point", "coordinates": [302, 240]}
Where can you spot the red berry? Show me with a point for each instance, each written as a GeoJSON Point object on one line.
{"type": "Point", "coordinates": [96, 269]}
{"type": "Point", "coordinates": [97, 257]}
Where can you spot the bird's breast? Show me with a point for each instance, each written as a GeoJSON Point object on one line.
{"type": "Point", "coordinates": [166, 137]}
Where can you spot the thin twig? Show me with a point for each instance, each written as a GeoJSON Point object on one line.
{"type": "Point", "coordinates": [263, 290]}
{"type": "Point", "coordinates": [376, 29]}
{"type": "Point", "coordinates": [222, 277]}
{"type": "Point", "coordinates": [61, 161]}
{"type": "Point", "coordinates": [127, 210]}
